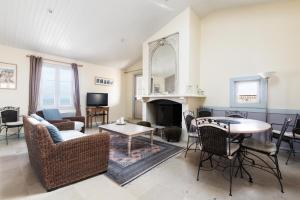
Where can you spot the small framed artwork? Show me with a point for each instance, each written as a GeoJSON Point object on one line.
{"type": "Point", "coordinates": [104, 81]}
{"type": "Point", "coordinates": [8, 76]}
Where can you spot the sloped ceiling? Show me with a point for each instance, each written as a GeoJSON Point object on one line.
{"type": "Point", "coordinates": [104, 32]}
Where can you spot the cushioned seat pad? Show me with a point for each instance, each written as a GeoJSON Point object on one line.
{"type": "Point", "coordinates": [78, 125]}
{"type": "Point", "coordinates": [252, 144]}
{"type": "Point", "coordinates": [71, 134]}
{"type": "Point", "coordinates": [14, 123]}
{"type": "Point", "coordinates": [286, 134]}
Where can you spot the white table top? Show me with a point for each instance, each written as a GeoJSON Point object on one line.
{"type": "Point", "coordinates": [127, 129]}
{"type": "Point", "coordinates": [244, 126]}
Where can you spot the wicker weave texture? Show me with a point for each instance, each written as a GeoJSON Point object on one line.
{"type": "Point", "coordinates": [60, 164]}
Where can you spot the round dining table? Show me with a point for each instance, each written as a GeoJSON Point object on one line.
{"type": "Point", "coordinates": [241, 125]}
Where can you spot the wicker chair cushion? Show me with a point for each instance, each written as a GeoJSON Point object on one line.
{"type": "Point", "coordinates": [52, 114]}
{"type": "Point", "coordinates": [33, 121]}
{"type": "Point", "coordinates": [78, 125]}
{"type": "Point", "coordinates": [54, 132]}
{"type": "Point", "coordinates": [71, 134]}
{"type": "Point", "coordinates": [252, 144]}
{"type": "Point", "coordinates": [35, 116]}
{"type": "Point", "coordinates": [286, 134]}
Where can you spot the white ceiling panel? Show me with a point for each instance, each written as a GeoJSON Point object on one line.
{"type": "Point", "coordinates": [106, 32]}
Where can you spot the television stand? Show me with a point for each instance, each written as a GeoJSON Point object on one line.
{"type": "Point", "coordinates": [96, 112]}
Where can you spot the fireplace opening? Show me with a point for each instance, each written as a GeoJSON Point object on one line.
{"type": "Point", "coordinates": [167, 113]}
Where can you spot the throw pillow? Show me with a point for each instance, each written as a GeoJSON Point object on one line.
{"type": "Point", "coordinates": [35, 116]}
{"type": "Point", "coordinates": [52, 114]}
{"type": "Point", "coordinates": [53, 131]}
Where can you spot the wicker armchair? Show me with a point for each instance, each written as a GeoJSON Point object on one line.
{"type": "Point", "coordinates": [60, 164]}
{"type": "Point", "coordinates": [72, 119]}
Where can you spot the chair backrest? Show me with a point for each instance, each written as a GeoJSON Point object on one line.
{"type": "Point", "coordinates": [188, 117]}
{"type": "Point", "coordinates": [283, 130]}
{"type": "Point", "coordinates": [9, 114]}
{"type": "Point", "coordinates": [204, 112]}
{"type": "Point", "coordinates": [296, 127]}
{"type": "Point", "coordinates": [236, 114]}
{"type": "Point", "coordinates": [214, 136]}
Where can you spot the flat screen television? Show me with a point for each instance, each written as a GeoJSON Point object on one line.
{"type": "Point", "coordinates": [97, 99]}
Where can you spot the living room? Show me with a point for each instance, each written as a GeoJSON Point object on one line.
{"type": "Point", "coordinates": [91, 108]}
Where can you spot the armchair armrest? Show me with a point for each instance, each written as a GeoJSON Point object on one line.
{"type": "Point", "coordinates": [58, 121]}
{"type": "Point", "coordinates": [80, 119]}
{"type": "Point", "coordinates": [65, 125]}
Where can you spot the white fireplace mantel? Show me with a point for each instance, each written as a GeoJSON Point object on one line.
{"type": "Point", "coordinates": [176, 98]}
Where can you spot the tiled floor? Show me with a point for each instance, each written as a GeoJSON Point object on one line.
{"type": "Point", "coordinates": [174, 179]}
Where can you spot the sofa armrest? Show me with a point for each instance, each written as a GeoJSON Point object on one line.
{"type": "Point", "coordinates": [97, 143]}
{"type": "Point", "coordinates": [76, 159]}
{"type": "Point", "coordinates": [80, 119]}
{"type": "Point", "coordinates": [64, 126]}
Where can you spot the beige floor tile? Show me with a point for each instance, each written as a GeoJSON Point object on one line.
{"type": "Point", "coordinates": [173, 179]}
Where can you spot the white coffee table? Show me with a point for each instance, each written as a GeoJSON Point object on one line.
{"type": "Point", "coordinates": [129, 130]}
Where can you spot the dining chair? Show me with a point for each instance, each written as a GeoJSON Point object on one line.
{"type": "Point", "coordinates": [191, 130]}
{"type": "Point", "coordinates": [216, 140]}
{"type": "Point", "coordinates": [10, 119]}
{"type": "Point", "coordinates": [236, 114]}
{"type": "Point", "coordinates": [240, 115]}
{"type": "Point", "coordinates": [204, 112]}
{"type": "Point", "coordinates": [289, 137]}
{"type": "Point", "coordinates": [268, 149]}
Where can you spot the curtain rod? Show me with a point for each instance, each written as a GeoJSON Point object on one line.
{"type": "Point", "coordinates": [56, 61]}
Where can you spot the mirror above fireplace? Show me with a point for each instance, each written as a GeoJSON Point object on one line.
{"type": "Point", "coordinates": [163, 65]}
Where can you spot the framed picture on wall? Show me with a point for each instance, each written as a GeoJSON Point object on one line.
{"type": "Point", "coordinates": [8, 76]}
{"type": "Point", "coordinates": [104, 81]}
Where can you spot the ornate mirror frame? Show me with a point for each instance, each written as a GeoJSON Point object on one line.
{"type": "Point", "coordinates": [171, 40]}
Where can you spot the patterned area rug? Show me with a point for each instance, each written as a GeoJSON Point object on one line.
{"type": "Point", "coordinates": [124, 169]}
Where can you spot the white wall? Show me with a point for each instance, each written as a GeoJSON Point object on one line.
{"type": "Point", "coordinates": [87, 73]}
{"type": "Point", "coordinates": [248, 40]}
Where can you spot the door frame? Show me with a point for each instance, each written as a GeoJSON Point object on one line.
{"type": "Point", "coordinates": [134, 94]}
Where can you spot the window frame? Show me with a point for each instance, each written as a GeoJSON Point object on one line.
{"type": "Point", "coordinates": [58, 68]}
{"type": "Point", "coordinates": [262, 92]}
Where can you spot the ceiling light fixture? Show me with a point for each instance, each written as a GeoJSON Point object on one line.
{"type": "Point", "coordinates": [50, 11]}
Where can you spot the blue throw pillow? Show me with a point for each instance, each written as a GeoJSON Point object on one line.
{"type": "Point", "coordinates": [53, 131]}
{"type": "Point", "coordinates": [35, 116]}
{"type": "Point", "coordinates": [52, 114]}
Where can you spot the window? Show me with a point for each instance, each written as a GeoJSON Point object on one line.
{"type": "Point", "coordinates": [248, 92]}
{"type": "Point", "coordinates": [56, 89]}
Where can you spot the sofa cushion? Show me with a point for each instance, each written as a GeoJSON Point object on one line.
{"type": "Point", "coordinates": [71, 134]}
{"type": "Point", "coordinates": [78, 125]}
{"type": "Point", "coordinates": [53, 131]}
{"type": "Point", "coordinates": [33, 121]}
{"type": "Point", "coordinates": [52, 114]}
{"type": "Point", "coordinates": [38, 118]}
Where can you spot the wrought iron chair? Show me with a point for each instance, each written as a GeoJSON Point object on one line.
{"type": "Point", "coordinates": [10, 119]}
{"type": "Point", "coordinates": [268, 149]}
{"type": "Point", "coordinates": [204, 112]}
{"type": "Point", "coordinates": [216, 140]}
{"type": "Point", "coordinates": [191, 130]}
{"type": "Point", "coordinates": [236, 114]}
{"type": "Point", "coordinates": [289, 137]}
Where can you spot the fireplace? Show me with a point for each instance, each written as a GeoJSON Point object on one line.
{"type": "Point", "coordinates": [166, 113]}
